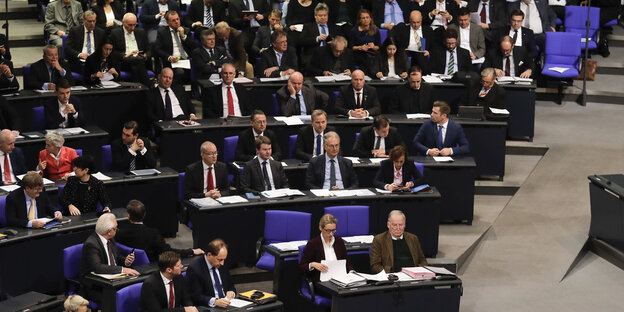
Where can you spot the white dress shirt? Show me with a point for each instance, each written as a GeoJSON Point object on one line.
{"type": "Point", "coordinates": [413, 45]}
{"type": "Point", "coordinates": [487, 11]}
{"type": "Point", "coordinates": [105, 244]}
{"type": "Point", "coordinates": [464, 36]}
{"type": "Point", "coordinates": [382, 144]}
{"type": "Point", "coordinates": [532, 17]}
{"type": "Point", "coordinates": [84, 44]}
{"type": "Point", "coordinates": [130, 37]}
{"type": "Point", "coordinates": [518, 42]}
{"type": "Point", "coordinates": [175, 104]}
{"type": "Point", "coordinates": [64, 115]}
{"type": "Point", "coordinates": [224, 96]}
{"type": "Point", "coordinates": [176, 48]}
{"type": "Point", "coordinates": [214, 176]}
{"type": "Point", "coordinates": [167, 286]}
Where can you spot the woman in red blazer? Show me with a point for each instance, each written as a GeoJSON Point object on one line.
{"type": "Point", "coordinates": [314, 251]}
{"type": "Point", "coordinates": [55, 161]}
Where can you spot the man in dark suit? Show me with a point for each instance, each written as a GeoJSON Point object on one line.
{"type": "Point", "coordinates": [9, 119]}
{"type": "Point", "coordinates": [322, 172]}
{"type": "Point", "coordinates": [280, 60]}
{"type": "Point", "coordinates": [207, 59]}
{"type": "Point", "coordinates": [509, 60]}
{"type": "Point", "coordinates": [440, 61]}
{"type": "Point", "coordinates": [263, 173]}
{"type": "Point", "coordinates": [492, 15]}
{"type": "Point", "coordinates": [204, 14]}
{"type": "Point", "coordinates": [441, 136]}
{"type": "Point", "coordinates": [440, 13]}
{"type": "Point", "coordinates": [206, 177]}
{"type": "Point", "coordinates": [77, 48]}
{"type": "Point", "coordinates": [205, 274]}
{"type": "Point", "coordinates": [136, 54]}
{"type": "Point", "coordinates": [100, 256]}
{"type": "Point", "coordinates": [262, 40]}
{"type": "Point", "coordinates": [540, 20]}
{"type": "Point", "coordinates": [408, 37]}
{"type": "Point", "coordinates": [318, 33]}
{"type": "Point", "coordinates": [167, 101]}
{"type": "Point", "coordinates": [310, 138]}
{"type": "Point", "coordinates": [489, 95]}
{"type": "Point", "coordinates": [297, 98]}
{"type": "Point", "coordinates": [228, 98]}
{"type": "Point", "coordinates": [334, 58]}
{"type": "Point", "coordinates": [377, 140]}
{"type": "Point", "coordinates": [357, 99]}
{"type": "Point", "coordinates": [245, 149]}
{"type": "Point", "coordinates": [415, 96]}
{"type": "Point", "coordinates": [165, 290]}
{"type": "Point", "coordinates": [382, 13]}
{"type": "Point", "coordinates": [131, 152]}
{"type": "Point", "coordinates": [135, 234]}
{"type": "Point", "coordinates": [63, 110]}
{"type": "Point", "coordinates": [153, 13]}
{"type": "Point", "coordinates": [248, 23]}
{"type": "Point", "coordinates": [11, 157]}
{"type": "Point", "coordinates": [170, 52]}
{"type": "Point", "coordinates": [395, 249]}
{"type": "Point", "coordinates": [19, 204]}
{"type": "Point", "coordinates": [45, 73]}
{"type": "Point", "coordinates": [520, 35]}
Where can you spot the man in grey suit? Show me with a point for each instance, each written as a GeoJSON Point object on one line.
{"type": "Point", "coordinates": [297, 98]}
{"type": "Point", "coordinates": [263, 173]}
{"type": "Point", "coordinates": [60, 17]}
{"type": "Point", "coordinates": [471, 36]}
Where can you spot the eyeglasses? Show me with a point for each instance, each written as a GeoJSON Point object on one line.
{"type": "Point", "coordinates": [332, 146]}
{"type": "Point", "coordinates": [329, 231]}
{"type": "Point", "coordinates": [211, 153]}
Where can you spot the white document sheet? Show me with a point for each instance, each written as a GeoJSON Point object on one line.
{"type": "Point", "coordinates": [320, 192]}
{"type": "Point", "coordinates": [443, 158]}
{"type": "Point", "coordinates": [186, 64]}
{"type": "Point", "coordinates": [367, 239]}
{"type": "Point", "coordinates": [335, 269]}
{"type": "Point", "coordinates": [499, 111]}
{"type": "Point", "coordinates": [418, 116]}
{"type": "Point", "coordinates": [381, 276]}
{"type": "Point", "coordinates": [238, 303]}
{"type": "Point", "coordinates": [232, 199]}
{"type": "Point", "coordinates": [355, 160]}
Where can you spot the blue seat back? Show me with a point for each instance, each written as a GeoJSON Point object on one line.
{"type": "Point", "coordinates": [25, 73]}
{"type": "Point", "coordinates": [575, 19]}
{"type": "Point", "coordinates": [276, 111]}
{"type": "Point", "coordinates": [284, 226]}
{"type": "Point", "coordinates": [3, 222]}
{"type": "Point", "coordinates": [129, 298]}
{"type": "Point", "coordinates": [383, 34]}
{"type": "Point", "coordinates": [562, 48]}
{"type": "Point", "coordinates": [107, 158]}
{"type": "Point", "coordinates": [79, 152]}
{"type": "Point", "coordinates": [292, 140]}
{"type": "Point", "coordinates": [181, 186]}
{"type": "Point", "coordinates": [140, 257]}
{"type": "Point", "coordinates": [352, 220]}
{"type": "Point", "coordinates": [62, 52]}
{"type": "Point", "coordinates": [71, 261]}
{"type": "Point", "coordinates": [229, 147]}
{"type": "Point", "coordinates": [39, 118]}
{"type": "Point", "coordinates": [420, 167]}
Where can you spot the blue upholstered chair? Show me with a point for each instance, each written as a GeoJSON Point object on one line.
{"type": "Point", "coordinates": [383, 34]}
{"type": "Point", "coordinates": [292, 140]}
{"type": "Point", "coordinates": [352, 220]}
{"type": "Point", "coordinates": [420, 167]}
{"type": "Point", "coordinates": [39, 118]}
{"type": "Point", "coordinates": [307, 289]}
{"type": "Point", "coordinates": [229, 149]}
{"type": "Point", "coordinates": [282, 226]}
{"type": "Point", "coordinates": [563, 50]}
{"type": "Point", "coordinates": [3, 222]}
{"type": "Point", "coordinates": [79, 152]}
{"type": "Point", "coordinates": [575, 19]}
{"type": "Point", "coordinates": [25, 73]}
{"type": "Point", "coordinates": [140, 257]}
{"type": "Point", "coordinates": [107, 158]}
{"type": "Point", "coordinates": [71, 270]}
{"type": "Point", "coordinates": [276, 110]}
{"type": "Point", "coordinates": [129, 298]}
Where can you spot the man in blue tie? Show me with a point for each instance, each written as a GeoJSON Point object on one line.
{"type": "Point", "coordinates": [298, 98]}
{"type": "Point", "coordinates": [208, 279]}
{"type": "Point", "coordinates": [279, 61]}
{"type": "Point", "coordinates": [331, 171]}
{"type": "Point", "coordinates": [310, 138]}
{"type": "Point", "coordinates": [441, 136]}
{"type": "Point", "coordinates": [317, 34]}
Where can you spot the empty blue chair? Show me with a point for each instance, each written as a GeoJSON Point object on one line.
{"type": "Point", "coordinates": [25, 73]}
{"type": "Point", "coordinates": [129, 298]}
{"type": "Point", "coordinates": [79, 152]}
{"type": "Point", "coordinates": [39, 118]}
{"type": "Point", "coordinates": [383, 34]}
{"type": "Point", "coordinates": [107, 158]}
{"type": "Point", "coordinates": [292, 140]}
{"type": "Point", "coordinates": [611, 23]}
{"type": "Point", "coordinates": [181, 186]}
{"type": "Point", "coordinates": [563, 50]}
{"type": "Point", "coordinates": [71, 270]}
{"type": "Point", "coordinates": [352, 220]}
{"type": "Point", "coordinates": [62, 52]}
{"type": "Point", "coordinates": [3, 222]}
{"type": "Point", "coordinates": [307, 288]}
{"type": "Point", "coordinates": [229, 147]}
{"type": "Point", "coordinates": [282, 226]}
{"type": "Point", "coordinates": [575, 19]}
{"type": "Point", "coordinates": [276, 110]}
{"type": "Point", "coordinates": [140, 257]}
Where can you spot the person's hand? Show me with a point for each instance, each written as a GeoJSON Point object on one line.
{"type": "Point", "coordinates": [193, 117]}
{"type": "Point", "coordinates": [379, 75]}
{"type": "Point", "coordinates": [140, 144]}
{"type": "Point", "coordinates": [51, 86]}
{"type": "Point", "coordinates": [110, 24]}
{"type": "Point", "coordinates": [472, 56]}
{"type": "Point", "coordinates": [499, 72]}
{"type": "Point", "coordinates": [181, 32]}
{"type": "Point", "coordinates": [230, 295]}
{"type": "Point", "coordinates": [327, 73]}
{"type": "Point", "coordinates": [131, 272]}
{"type": "Point", "coordinates": [198, 251]}
{"type": "Point", "coordinates": [73, 210]}
{"type": "Point", "coordinates": [42, 165]}
{"type": "Point", "coordinates": [293, 27]}
{"type": "Point", "coordinates": [160, 14]}
{"type": "Point", "coordinates": [113, 72]}
{"type": "Point", "coordinates": [434, 12]}
{"type": "Point", "coordinates": [66, 176]}
{"type": "Point", "coordinates": [358, 112]}
{"type": "Point", "coordinates": [426, 53]}
{"type": "Point", "coordinates": [222, 303]}
{"type": "Point", "coordinates": [553, 29]}
{"type": "Point", "coordinates": [83, 56]}
{"type": "Point", "coordinates": [5, 70]}
{"type": "Point", "coordinates": [99, 75]}
{"type": "Point", "coordinates": [196, 24]}
{"type": "Point", "coordinates": [446, 15]}
{"type": "Point", "coordinates": [69, 109]}
{"type": "Point", "coordinates": [379, 153]}
{"type": "Point", "coordinates": [248, 17]}
{"type": "Point", "coordinates": [485, 26]}
{"type": "Point", "coordinates": [173, 59]}
{"type": "Point", "coordinates": [278, 27]}
{"type": "Point", "coordinates": [291, 88]}
{"type": "Point", "coordinates": [58, 67]}
{"type": "Point", "coordinates": [321, 37]}
{"type": "Point", "coordinates": [135, 146]}
{"type": "Point", "coordinates": [526, 74]}
{"type": "Point", "coordinates": [190, 309]}
{"type": "Point", "coordinates": [130, 259]}
{"type": "Point", "coordinates": [391, 187]}
{"type": "Point", "coordinates": [434, 152]}
{"type": "Point", "coordinates": [445, 151]}
{"type": "Point", "coordinates": [2, 49]}
{"type": "Point", "coordinates": [403, 75]}
{"type": "Point", "coordinates": [335, 187]}
{"type": "Point", "coordinates": [259, 17]}
{"type": "Point", "coordinates": [213, 193]}
{"type": "Point", "coordinates": [388, 25]}
{"type": "Point", "coordinates": [288, 72]}
{"type": "Point", "coordinates": [60, 33]}
{"type": "Point", "coordinates": [371, 45]}
{"type": "Point", "coordinates": [347, 72]}
{"type": "Point", "coordinates": [409, 184]}
{"type": "Point", "coordinates": [319, 267]}
{"type": "Point", "coordinates": [364, 47]}
{"type": "Point", "coordinates": [37, 224]}
{"type": "Point", "coordinates": [270, 70]}
{"type": "Point", "coordinates": [58, 215]}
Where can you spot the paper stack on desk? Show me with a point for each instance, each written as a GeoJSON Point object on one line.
{"type": "Point", "coordinates": [349, 280]}
{"type": "Point", "coordinates": [232, 199]}
{"type": "Point", "coordinates": [205, 202]}
{"type": "Point", "coordinates": [284, 192]}
{"type": "Point", "coordinates": [46, 182]}
{"type": "Point", "coordinates": [366, 239]}
{"type": "Point", "coordinates": [335, 269]}
{"type": "Point", "coordinates": [289, 246]}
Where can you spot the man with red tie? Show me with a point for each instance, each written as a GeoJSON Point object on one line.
{"type": "Point", "coordinates": [11, 158]}
{"type": "Point", "coordinates": [207, 177]}
{"type": "Point", "coordinates": [228, 98]}
{"type": "Point", "coordinates": [357, 99]}
{"type": "Point", "coordinates": [175, 296]}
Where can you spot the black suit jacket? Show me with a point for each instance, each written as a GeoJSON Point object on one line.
{"type": "Point", "coordinates": [196, 13]}
{"type": "Point", "coordinates": [315, 174]}
{"type": "Point", "coordinates": [323, 59]}
{"type": "Point", "coordinates": [437, 61]}
{"type": "Point", "coordinates": [17, 162]}
{"type": "Point", "coordinates": [194, 180]}
{"type": "Point", "coordinates": [313, 99]}
{"type": "Point", "coordinates": [163, 47]}
{"type": "Point", "coordinates": [93, 64]}
{"type": "Point", "coordinates": [308, 36]}
{"type": "Point", "coordinates": [213, 101]}
{"type": "Point", "coordinates": [261, 40]}
{"type": "Point", "coordinates": [315, 252]}
{"type": "Point", "coordinates": [199, 283]}
{"type": "Point", "coordinates": [528, 39]}
{"type": "Point", "coordinates": [521, 61]}
{"type": "Point", "coordinates": [75, 41]}
{"type": "Point", "coordinates": [154, 294]}
{"type": "Point", "coordinates": [495, 98]}
{"type": "Point", "coordinates": [497, 10]}
{"type": "Point", "coordinates": [252, 179]}
{"type": "Point", "coordinates": [157, 105]}
{"type": "Point", "coordinates": [401, 34]}
{"type": "Point", "coordinates": [94, 257]}
{"type": "Point", "coordinates": [403, 99]}
{"type": "Point", "coordinates": [39, 74]}
{"type": "Point", "coordinates": [546, 14]}
{"type": "Point", "coordinates": [236, 15]}
{"type": "Point", "coordinates": [150, 9]}
{"type": "Point", "coordinates": [122, 158]}
{"type": "Point", "coordinates": [9, 119]}
{"type": "Point", "coordinates": [366, 141]}
{"type": "Point", "coordinates": [385, 174]}
{"type": "Point", "coordinates": [353, 6]}
{"type": "Point", "coordinates": [401, 64]}
{"type": "Point", "coordinates": [269, 59]}
{"type": "Point", "coordinates": [346, 100]}
{"type": "Point", "coordinates": [16, 212]}
{"type": "Point", "coordinates": [148, 239]}
{"type": "Point", "coordinates": [100, 16]}
{"type": "Point", "coordinates": [379, 10]}
{"type": "Point", "coordinates": [246, 147]}
{"type": "Point", "coordinates": [53, 118]}
{"type": "Point", "coordinates": [304, 147]}
{"type": "Point", "coordinates": [451, 7]}
{"type": "Point", "coordinates": [119, 41]}
{"type": "Point", "coordinates": [205, 65]}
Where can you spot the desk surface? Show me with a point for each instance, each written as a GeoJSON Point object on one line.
{"type": "Point", "coordinates": [427, 161]}
{"type": "Point", "coordinates": [334, 289]}
{"type": "Point", "coordinates": [35, 137]}
{"type": "Point", "coordinates": [612, 182]}
{"type": "Point", "coordinates": [31, 94]}
{"type": "Point", "coordinates": [30, 301]}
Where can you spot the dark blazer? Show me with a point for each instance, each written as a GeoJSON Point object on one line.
{"type": "Point", "coordinates": [122, 158]}
{"type": "Point", "coordinates": [547, 15]}
{"type": "Point", "coordinates": [451, 7]}
{"type": "Point", "coordinates": [346, 100]}
{"type": "Point", "coordinates": [269, 59]}
{"type": "Point", "coordinates": [53, 118]}
{"type": "Point", "coordinates": [246, 147]}
{"type": "Point", "coordinates": [385, 174]}
{"type": "Point", "coordinates": [403, 99]}
{"type": "Point", "coordinates": [382, 253]}
{"type": "Point", "coordinates": [313, 98]}
{"type": "Point", "coordinates": [94, 257]}
{"type": "Point", "coordinates": [199, 283]}
{"type": "Point", "coordinates": [119, 41]}
{"type": "Point", "coordinates": [163, 47]}
{"type": "Point", "coordinates": [5, 42]}
{"type": "Point", "coordinates": [154, 294]}
{"type": "Point", "coordinates": [379, 10]}
{"type": "Point", "coordinates": [495, 98]}
{"type": "Point", "coordinates": [100, 15]}
{"type": "Point", "coordinates": [353, 6]}
{"type": "Point", "coordinates": [236, 15]}
{"type": "Point", "coordinates": [39, 74]}
{"type": "Point", "coordinates": [315, 174]}
{"type": "Point", "coordinates": [17, 162]}
{"type": "Point", "coordinates": [157, 105]}
{"type": "Point", "coordinates": [305, 142]}
{"type": "Point", "coordinates": [93, 65]}
{"type": "Point", "coordinates": [143, 237]}
{"type": "Point", "coordinates": [252, 179]}
{"type": "Point", "coordinates": [9, 119]}
{"type": "Point", "coordinates": [150, 9]}
{"type": "Point", "coordinates": [262, 39]}
{"type": "Point", "coordinates": [75, 40]}
{"type": "Point", "coordinates": [366, 141]}
{"type": "Point", "coordinates": [427, 137]}
{"type": "Point", "coordinates": [314, 252]}
{"type": "Point", "coordinates": [497, 10]}
{"type": "Point", "coordinates": [16, 212]}
{"type": "Point", "coordinates": [323, 59]}
{"type": "Point", "coordinates": [401, 34]}
{"type": "Point", "coordinates": [401, 64]}
{"type": "Point", "coordinates": [521, 60]}
{"type": "Point", "coordinates": [213, 101]}
{"type": "Point", "coordinates": [205, 65]}
{"type": "Point", "coordinates": [7, 85]}
{"type": "Point", "coordinates": [528, 39]}
{"type": "Point", "coordinates": [194, 180]}
{"type": "Point", "coordinates": [437, 61]}
{"type": "Point", "coordinates": [196, 12]}
{"type": "Point", "coordinates": [307, 39]}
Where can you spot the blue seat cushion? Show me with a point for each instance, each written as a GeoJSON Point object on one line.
{"type": "Point", "coordinates": [266, 262]}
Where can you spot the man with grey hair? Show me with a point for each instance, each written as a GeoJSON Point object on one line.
{"type": "Point", "coordinates": [11, 158]}
{"type": "Point", "coordinates": [331, 171]}
{"type": "Point", "coordinates": [489, 94]}
{"type": "Point", "coordinates": [318, 33]}
{"type": "Point", "coordinates": [82, 41]}
{"type": "Point", "coordinates": [100, 255]}
{"type": "Point", "coordinates": [27, 206]}
{"type": "Point", "coordinates": [334, 58]}
{"type": "Point", "coordinates": [46, 72]}
{"type": "Point", "coordinates": [208, 58]}
{"type": "Point", "coordinates": [228, 98]}
{"type": "Point", "coordinates": [395, 249]}
{"type": "Point", "coordinates": [60, 17]}
{"type": "Point", "coordinates": [131, 46]}
{"type": "Point", "coordinates": [62, 111]}
{"type": "Point", "coordinates": [206, 177]}
{"type": "Point", "coordinates": [297, 98]}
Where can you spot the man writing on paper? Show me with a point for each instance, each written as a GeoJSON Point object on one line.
{"type": "Point", "coordinates": [263, 173]}
{"type": "Point", "coordinates": [208, 278]}
{"type": "Point", "coordinates": [395, 249]}
{"type": "Point", "coordinates": [168, 278]}
{"type": "Point", "coordinates": [330, 171]}
{"type": "Point", "coordinates": [441, 136]}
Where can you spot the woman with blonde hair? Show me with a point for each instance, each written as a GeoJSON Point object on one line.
{"type": "Point", "coordinates": [75, 303]}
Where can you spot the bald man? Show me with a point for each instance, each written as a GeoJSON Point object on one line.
{"type": "Point", "coordinates": [357, 99]}
{"type": "Point", "coordinates": [228, 98]}
{"type": "Point", "coordinates": [169, 101]}
{"type": "Point", "coordinates": [206, 177]}
{"type": "Point", "coordinates": [297, 98]}
{"type": "Point", "coordinates": [406, 38]}
{"type": "Point", "coordinates": [11, 158]}
{"type": "Point", "coordinates": [132, 48]}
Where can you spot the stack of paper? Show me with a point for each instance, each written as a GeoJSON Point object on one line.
{"type": "Point", "coordinates": [291, 121]}
{"type": "Point", "coordinates": [560, 70]}
{"type": "Point", "coordinates": [282, 78]}
{"type": "Point", "coordinates": [10, 187]}
{"type": "Point", "coordinates": [418, 116]}
{"type": "Point", "coordinates": [499, 111]}
{"type": "Point", "coordinates": [379, 277]}
{"type": "Point", "coordinates": [355, 160]}
{"type": "Point", "coordinates": [349, 280]}
{"type": "Point", "coordinates": [289, 246]}
{"type": "Point", "coordinates": [418, 273]}
{"type": "Point", "coordinates": [45, 181]}
{"type": "Point", "coordinates": [232, 199]}
{"type": "Point", "coordinates": [205, 202]}
{"type": "Point", "coordinates": [335, 269]}
{"type": "Point", "coordinates": [366, 239]}
{"type": "Point", "coordinates": [69, 131]}
{"type": "Point", "coordinates": [242, 80]}
{"type": "Point", "coordinates": [185, 64]}
{"type": "Point", "coordinates": [377, 160]}
{"type": "Point", "coordinates": [321, 192]}
{"type": "Point", "coordinates": [109, 84]}
{"type": "Point", "coordinates": [102, 177]}
{"type": "Point", "coordinates": [439, 270]}
{"type": "Point", "coordinates": [431, 79]}
{"type": "Point", "coordinates": [284, 192]}
{"type": "Point", "coordinates": [111, 276]}
{"type": "Point", "coordinates": [443, 158]}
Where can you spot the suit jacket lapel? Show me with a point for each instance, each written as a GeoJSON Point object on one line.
{"type": "Point", "coordinates": [161, 104]}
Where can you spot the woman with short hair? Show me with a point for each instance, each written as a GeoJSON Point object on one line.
{"type": "Point", "coordinates": [55, 161]}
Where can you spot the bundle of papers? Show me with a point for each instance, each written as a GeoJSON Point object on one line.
{"type": "Point", "coordinates": [333, 77]}
{"type": "Point", "coordinates": [443, 158]}
{"type": "Point", "coordinates": [205, 202]}
{"type": "Point", "coordinates": [242, 80]}
{"type": "Point", "coordinates": [144, 172]}
{"type": "Point", "coordinates": [284, 192]}
{"type": "Point", "coordinates": [510, 79]}
{"type": "Point", "coordinates": [69, 131]}
{"type": "Point", "coordinates": [10, 187]}
{"type": "Point", "coordinates": [376, 160]}
{"type": "Point", "coordinates": [341, 193]}
{"type": "Point", "coordinates": [46, 182]}
{"type": "Point", "coordinates": [349, 280]}
{"type": "Point", "coordinates": [100, 176]}
{"type": "Point", "coordinates": [281, 78]}
{"type": "Point", "coordinates": [366, 239]}
{"type": "Point", "coordinates": [111, 277]}
{"type": "Point", "coordinates": [232, 199]}
{"type": "Point", "coordinates": [418, 116]}
{"type": "Point", "coordinates": [185, 64]}
{"type": "Point", "coordinates": [418, 273]}
{"type": "Point", "coordinates": [355, 160]}
{"type": "Point", "coordinates": [289, 246]}
{"type": "Point", "coordinates": [335, 269]}
{"type": "Point", "coordinates": [292, 120]}
{"type": "Point", "coordinates": [560, 70]}
{"type": "Point", "coordinates": [500, 111]}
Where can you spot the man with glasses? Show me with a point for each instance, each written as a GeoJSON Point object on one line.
{"type": "Point", "coordinates": [330, 171]}
{"type": "Point", "coordinates": [206, 177]}
{"type": "Point", "coordinates": [132, 48]}
{"type": "Point", "coordinates": [521, 36]}
{"type": "Point", "coordinates": [228, 98]}
{"type": "Point", "coordinates": [395, 249]}
{"type": "Point", "coordinates": [245, 149]}
{"type": "Point", "coordinates": [310, 138]}
{"type": "Point", "coordinates": [280, 60]}
{"type": "Point", "coordinates": [209, 279]}
{"type": "Point", "coordinates": [452, 59]}
{"type": "Point", "coordinates": [174, 43]}
{"type": "Point", "coordinates": [25, 207]}
{"type": "Point", "coordinates": [414, 96]}
{"type": "Point", "coordinates": [489, 95]}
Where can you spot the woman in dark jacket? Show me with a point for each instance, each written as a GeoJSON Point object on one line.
{"type": "Point", "coordinates": [102, 62]}
{"type": "Point", "coordinates": [390, 61]}
{"type": "Point", "coordinates": [108, 14]}
{"type": "Point", "coordinates": [397, 172]}
{"type": "Point", "coordinates": [83, 192]}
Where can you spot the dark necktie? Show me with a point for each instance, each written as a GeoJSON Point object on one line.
{"type": "Point", "coordinates": [323, 32]}
{"type": "Point", "coordinates": [208, 18]}
{"type": "Point", "coordinates": [265, 173]}
{"type": "Point", "coordinates": [68, 18]}
{"type": "Point", "coordinates": [451, 63]}
{"type": "Point", "coordinates": [483, 13]}
{"type": "Point", "coordinates": [332, 173]}
{"type": "Point", "coordinates": [132, 161]}
{"type": "Point", "coordinates": [89, 42]}
{"type": "Point", "coordinates": [247, 4]}
{"type": "Point", "coordinates": [507, 67]}
{"type": "Point", "coordinates": [217, 283]}
{"type": "Point", "coordinates": [111, 257]}
{"type": "Point", "coordinates": [171, 296]}
{"type": "Point", "coordinates": [378, 143]}
{"type": "Point", "coordinates": [210, 54]}
{"type": "Point", "coordinates": [515, 37]}
{"type": "Point", "coordinates": [318, 145]}
{"type": "Point", "coordinates": [168, 107]}
{"type": "Point", "coordinates": [298, 106]}
{"type": "Point", "coordinates": [209, 182]}
{"type": "Point", "coordinates": [359, 102]}
{"type": "Point", "coordinates": [440, 139]}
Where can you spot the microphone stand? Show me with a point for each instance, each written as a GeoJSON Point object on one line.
{"type": "Point", "coordinates": [6, 16]}
{"type": "Point", "coordinates": [582, 99]}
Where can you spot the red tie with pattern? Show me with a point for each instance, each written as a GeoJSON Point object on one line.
{"type": "Point", "coordinates": [230, 101]}
{"type": "Point", "coordinates": [171, 297]}
{"type": "Point", "coordinates": [209, 183]}
{"type": "Point", "coordinates": [7, 169]}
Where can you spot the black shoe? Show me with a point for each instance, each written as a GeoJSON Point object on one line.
{"type": "Point", "coordinates": [604, 49]}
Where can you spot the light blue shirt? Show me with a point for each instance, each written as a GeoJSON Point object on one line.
{"type": "Point", "coordinates": [327, 173]}
{"type": "Point", "coordinates": [320, 29]}
{"type": "Point", "coordinates": [389, 17]}
{"type": "Point", "coordinates": [214, 288]}
{"type": "Point", "coordinates": [28, 203]}
{"type": "Point", "coordinates": [301, 102]}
